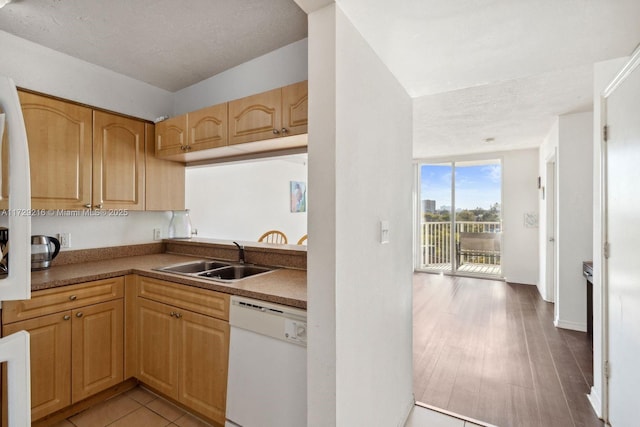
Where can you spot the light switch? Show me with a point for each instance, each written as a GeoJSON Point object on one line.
{"type": "Point", "coordinates": [384, 231]}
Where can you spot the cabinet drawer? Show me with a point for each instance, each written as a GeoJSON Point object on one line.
{"type": "Point", "coordinates": [64, 298]}
{"type": "Point", "coordinates": [201, 301]}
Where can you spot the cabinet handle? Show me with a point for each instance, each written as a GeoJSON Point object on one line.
{"type": "Point", "coordinates": [178, 315]}
{"type": "Point", "coordinates": [276, 131]}
{"type": "Point", "coordinates": [284, 130]}
{"type": "Point", "coordinates": [98, 206]}
{"type": "Point", "coordinates": [188, 147]}
{"type": "Point", "coordinates": [79, 314]}
{"type": "Point", "coordinates": [88, 206]}
{"type": "Point", "coordinates": [72, 297]}
{"type": "Point", "coordinates": [183, 147]}
{"type": "Point", "coordinates": [172, 314]}
{"type": "Point", "coordinates": [66, 317]}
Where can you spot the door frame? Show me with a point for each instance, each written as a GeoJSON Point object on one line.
{"type": "Point", "coordinates": [417, 205]}
{"type": "Point", "coordinates": [551, 251]}
{"type": "Point", "coordinates": [625, 72]}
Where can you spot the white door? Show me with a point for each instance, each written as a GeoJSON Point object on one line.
{"type": "Point", "coordinates": [622, 103]}
{"type": "Point", "coordinates": [550, 199]}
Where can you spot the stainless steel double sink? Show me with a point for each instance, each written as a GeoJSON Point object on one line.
{"type": "Point", "coordinates": [216, 270]}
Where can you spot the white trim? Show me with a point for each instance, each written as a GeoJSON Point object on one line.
{"type": "Point", "coordinates": [629, 67]}
{"type": "Point", "coordinates": [574, 326]}
{"type": "Point", "coordinates": [595, 401]}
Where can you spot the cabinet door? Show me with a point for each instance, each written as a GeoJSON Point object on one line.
{"type": "Point", "coordinates": [59, 138]}
{"type": "Point", "coordinates": [256, 117]}
{"type": "Point", "coordinates": [157, 347]}
{"type": "Point", "coordinates": [97, 355]}
{"type": "Point", "coordinates": [118, 162]}
{"type": "Point", "coordinates": [295, 106]}
{"type": "Point", "coordinates": [207, 128]}
{"type": "Point", "coordinates": [204, 355]}
{"type": "Point", "coordinates": [164, 180]}
{"type": "Point", "coordinates": [50, 346]}
{"type": "Point", "coordinates": [171, 136]}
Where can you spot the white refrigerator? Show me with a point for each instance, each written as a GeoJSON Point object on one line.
{"type": "Point", "coordinates": [14, 349]}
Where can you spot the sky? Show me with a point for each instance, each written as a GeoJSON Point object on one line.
{"type": "Point", "coordinates": [476, 185]}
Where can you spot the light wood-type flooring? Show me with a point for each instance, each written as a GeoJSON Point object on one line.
{"type": "Point", "coordinates": [488, 350]}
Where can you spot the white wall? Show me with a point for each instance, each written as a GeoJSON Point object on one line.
{"type": "Point", "coordinates": [604, 72]}
{"type": "Point", "coordinates": [360, 291]}
{"type": "Point", "coordinates": [574, 204]}
{"type": "Point", "coordinates": [520, 196]}
{"type": "Point", "coordinates": [38, 68]}
{"type": "Point", "coordinates": [257, 192]}
{"type": "Point", "coordinates": [279, 68]}
{"type": "Point", "coordinates": [44, 70]}
{"type": "Point", "coordinates": [101, 231]}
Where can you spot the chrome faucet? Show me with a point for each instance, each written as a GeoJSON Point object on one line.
{"type": "Point", "coordinates": [241, 250]}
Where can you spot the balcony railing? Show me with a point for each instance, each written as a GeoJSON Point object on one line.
{"type": "Point", "coordinates": [436, 243]}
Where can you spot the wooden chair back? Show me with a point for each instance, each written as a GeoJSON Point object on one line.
{"type": "Point", "coordinates": [273, 236]}
{"type": "Point", "coordinates": [303, 240]}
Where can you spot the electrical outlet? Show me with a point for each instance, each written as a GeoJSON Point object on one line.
{"type": "Point", "coordinates": [157, 235]}
{"type": "Point", "coordinates": [65, 240]}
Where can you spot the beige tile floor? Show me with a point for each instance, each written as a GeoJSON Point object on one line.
{"type": "Point", "coordinates": [137, 407]}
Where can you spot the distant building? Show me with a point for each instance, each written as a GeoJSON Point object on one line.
{"type": "Point", "coordinates": [429, 206]}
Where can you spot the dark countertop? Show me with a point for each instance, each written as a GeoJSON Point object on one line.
{"type": "Point", "coordinates": [284, 286]}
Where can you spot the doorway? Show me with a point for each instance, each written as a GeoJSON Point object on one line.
{"type": "Point", "coordinates": [460, 223]}
{"type": "Point", "coordinates": [620, 296]}
{"type": "Point", "coordinates": [549, 193]}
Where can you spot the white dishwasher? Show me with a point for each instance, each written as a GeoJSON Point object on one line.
{"type": "Point", "coordinates": [267, 385]}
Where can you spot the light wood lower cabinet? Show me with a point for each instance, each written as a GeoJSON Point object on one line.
{"type": "Point", "coordinates": [50, 338]}
{"type": "Point", "coordinates": [97, 342]}
{"type": "Point", "coordinates": [181, 353]}
{"type": "Point", "coordinates": [76, 349]}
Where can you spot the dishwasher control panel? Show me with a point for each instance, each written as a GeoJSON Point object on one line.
{"type": "Point", "coordinates": [295, 331]}
{"type": "Point", "coordinates": [273, 320]}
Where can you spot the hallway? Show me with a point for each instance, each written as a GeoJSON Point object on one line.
{"type": "Point", "coordinates": [488, 350]}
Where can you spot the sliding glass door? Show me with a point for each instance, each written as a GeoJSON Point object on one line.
{"type": "Point", "coordinates": [460, 222]}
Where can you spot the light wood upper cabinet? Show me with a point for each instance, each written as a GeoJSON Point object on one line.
{"type": "Point", "coordinates": [118, 162]}
{"type": "Point", "coordinates": [207, 127]}
{"type": "Point", "coordinates": [59, 135]}
{"type": "Point", "coordinates": [164, 179]}
{"type": "Point", "coordinates": [274, 114]}
{"type": "Point", "coordinates": [256, 117]}
{"type": "Point", "coordinates": [171, 136]}
{"type": "Point", "coordinates": [295, 108]}
{"type": "Point", "coordinates": [83, 158]}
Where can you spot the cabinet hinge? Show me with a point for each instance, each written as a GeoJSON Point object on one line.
{"type": "Point", "coordinates": [605, 133]}
{"type": "Point", "coordinates": [606, 250]}
{"type": "Point", "coordinates": [607, 370]}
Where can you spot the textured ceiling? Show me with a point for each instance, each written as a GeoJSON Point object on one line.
{"type": "Point", "coordinates": [477, 69]}
{"type": "Point", "coordinates": [499, 69]}
{"type": "Point", "coordinates": [168, 44]}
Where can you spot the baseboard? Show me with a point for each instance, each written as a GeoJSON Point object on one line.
{"type": "Point", "coordinates": [596, 402]}
{"type": "Point", "coordinates": [574, 326]}
{"type": "Point", "coordinates": [407, 411]}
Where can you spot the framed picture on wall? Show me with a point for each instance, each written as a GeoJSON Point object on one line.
{"type": "Point", "coordinates": [298, 191]}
